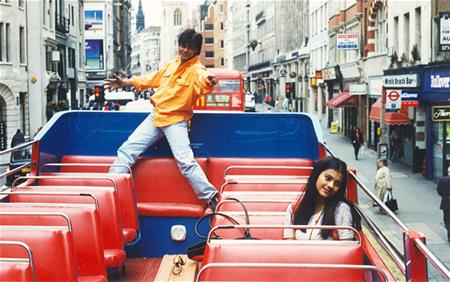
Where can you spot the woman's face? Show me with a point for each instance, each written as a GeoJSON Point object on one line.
{"type": "Point", "coordinates": [328, 183]}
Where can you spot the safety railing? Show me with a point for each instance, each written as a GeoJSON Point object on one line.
{"type": "Point", "coordinates": [15, 149]}
{"type": "Point", "coordinates": [413, 264]}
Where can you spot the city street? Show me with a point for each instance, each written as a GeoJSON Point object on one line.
{"type": "Point", "coordinates": [417, 199]}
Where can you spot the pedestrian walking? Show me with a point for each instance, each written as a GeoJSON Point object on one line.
{"type": "Point", "coordinates": [395, 144]}
{"type": "Point", "coordinates": [267, 99]}
{"type": "Point", "coordinates": [443, 190]}
{"type": "Point", "coordinates": [382, 180]}
{"type": "Point", "coordinates": [17, 138]}
{"type": "Point", "coordinates": [357, 141]}
{"type": "Point", "coordinates": [285, 105]}
{"type": "Point", "coordinates": [180, 82]}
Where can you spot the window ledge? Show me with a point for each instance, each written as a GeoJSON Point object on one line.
{"type": "Point", "coordinates": [6, 63]}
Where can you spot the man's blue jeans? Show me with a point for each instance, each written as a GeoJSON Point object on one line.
{"type": "Point", "coordinates": [146, 134]}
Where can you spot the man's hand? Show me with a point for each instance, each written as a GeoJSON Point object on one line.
{"type": "Point", "coordinates": [211, 80]}
{"type": "Point", "coordinates": [115, 83]}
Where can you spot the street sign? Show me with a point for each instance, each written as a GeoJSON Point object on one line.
{"type": "Point", "coordinates": [393, 99]}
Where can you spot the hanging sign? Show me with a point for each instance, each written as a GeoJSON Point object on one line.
{"type": "Point", "coordinates": [347, 41]}
{"type": "Point", "coordinates": [444, 34]}
{"type": "Point", "coordinates": [393, 100]}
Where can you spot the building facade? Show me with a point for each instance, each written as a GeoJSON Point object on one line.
{"type": "Point", "coordinates": [145, 57]}
{"type": "Point", "coordinates": [176, 16]}
{"type": "Point", "coordinates": [14, 94]}
{"type": "Point", "coordinates": [291, 63]}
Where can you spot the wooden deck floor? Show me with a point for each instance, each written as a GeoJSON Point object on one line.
{"type": "Point", "coordinates": [138, 269]}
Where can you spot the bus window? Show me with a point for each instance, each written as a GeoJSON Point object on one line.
{"type": "Point", "coordinates": [228, 93]}
{"type": "Point", "coordinates": [229, 85]}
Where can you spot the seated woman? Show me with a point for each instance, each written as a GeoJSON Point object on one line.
{"type": "Point", "coordinates": [323, 203]}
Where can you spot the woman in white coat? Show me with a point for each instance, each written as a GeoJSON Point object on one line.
{"type": "Point", "coordinates": [382, 180]}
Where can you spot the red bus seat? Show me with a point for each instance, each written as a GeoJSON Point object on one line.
{"type": "Point", "coordinates": [217, 166]}
{"type": "Point", "coordinates": [88, 160]}
{"type": "Point", "coordinates": [16, 262]}
{"type": "Point", "coordinates": [87, 234]}
{"type": "Point", "coordinates": [108, 210]}
{"type": "Point", "coordinates": [296, 252]}
{"type": "Point", "coordinates": [52, 246]}
{"type": "Point", "coordinates": [260, 233]}
{"type": "Point", "coordinates": [257, 201]}
{"type": "Point", "coordinates": [235, 186]}
{"type": "Point", "coordinates": [161, 190]}
{"type": "Point", "coordinates": [126, 195]}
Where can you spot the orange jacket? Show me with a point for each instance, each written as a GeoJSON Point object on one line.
{"type": "Point", "coordinates": [179, 86]}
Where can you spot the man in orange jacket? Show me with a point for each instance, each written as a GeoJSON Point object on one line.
{"type": "Point", "coordinates": [180, 82]}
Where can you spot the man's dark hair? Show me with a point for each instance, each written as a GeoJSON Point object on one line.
{"type": "Point", "coordinates": [191, 39]}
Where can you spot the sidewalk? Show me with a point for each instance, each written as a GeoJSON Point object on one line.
{"type": "Point", "coordinates": [417, 199]}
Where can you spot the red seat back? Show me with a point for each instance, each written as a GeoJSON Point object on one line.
{"type": "Point", "coordinates": [124, 184]}
{"type": "Point", "coordinates": [260, 233]}
{"type": "Point", "coordinates": [257, 187]}
{"type": "Point", "coordinates": [217, 167]}
{"type": "Point", "coordinates": [246, 251]}
{"type": "Point", "coordinates": [87, 160]}
{"type": "Point", "coordinates": [108, 207]}
{"type": "Point", "coordinates": [87, 232]}
{"type": "Point", "coordinates": [52, 245]}
{"type": "Point", "coordinates": [10, 268]}
{"type": "Point", "coordinates": [162, 190]}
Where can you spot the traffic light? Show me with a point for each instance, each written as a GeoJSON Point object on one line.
{"type": "Point", "coordinates": [99, 93]}
{"type": "Point", "coordinates": [288, 88]}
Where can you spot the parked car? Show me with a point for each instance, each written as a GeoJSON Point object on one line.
{"type": "Point", "coordinates": [17, 159]}
{"type": "Point", "coordinates": [250, 103]}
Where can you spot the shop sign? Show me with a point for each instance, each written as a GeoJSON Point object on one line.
{"type": "Point", "coordinates": [347, 41]}
{"type": "Point", "coordinates": [283, 72]}
{"type": "Point", "coordinates": [401, 81]}
{"type": "Point", "coordinates": [409, 98]}
{"type": "Point", "coordinates": [436, 83]}
{"type": "Point", "coordinates": [444, 34]}
{"type": "Point", "coordinates": [358, 89]}
{"type": "Point", "coordinates": [375, 86]}
{"type": "Point", "coordinates": [440, 113]}
{"type": "Point", "coordinates": [329, 74]}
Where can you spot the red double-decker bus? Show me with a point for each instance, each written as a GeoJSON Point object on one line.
{"type": "Point", "coordinates": [228, 94]}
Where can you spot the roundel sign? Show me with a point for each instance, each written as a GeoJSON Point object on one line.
{"type": "Point", "coordinates": [393, 99]}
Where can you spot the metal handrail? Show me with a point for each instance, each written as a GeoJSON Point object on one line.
{"type": "Point", "coordinates": [279, 226]}
{"type": "Point", "coordinates": [14, 149]}
{"type": "Point", "coordinates": [373, 196]}
{"type": "Point", "coordinates": [264, 166]}
{"type": "Point", "coordinates": [18, 147]}
{"type": "Point", "coordinates": [28, 250]}
{"type": "Point", "coordinates": [433, 259]}
{"type": "Point", "coordinates": [290, 265]}
{"type": "Point", "coordinates": [420, 245]}
{"type": "Point", "coordinates": [34, 192]}
{"type": "Point", "coordinates": [63, 215]}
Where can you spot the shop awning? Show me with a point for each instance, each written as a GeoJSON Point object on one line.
{"type": "Point", "coordinates": [342, 100]}
{"type": "Point", "coordinates": [389, 118]}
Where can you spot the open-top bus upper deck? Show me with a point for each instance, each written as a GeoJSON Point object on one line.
{"type": "Point", "coordinates": [263, 159]}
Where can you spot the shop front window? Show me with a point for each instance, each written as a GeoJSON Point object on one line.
{"type": "Point", "coordinates": [438, 149]}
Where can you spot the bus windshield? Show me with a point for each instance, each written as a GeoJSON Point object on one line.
{"type": "Point", "coordinates": [228, 85]}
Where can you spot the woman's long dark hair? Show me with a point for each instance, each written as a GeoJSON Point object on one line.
{"type": "Point", "coordinates": [306, 207]}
